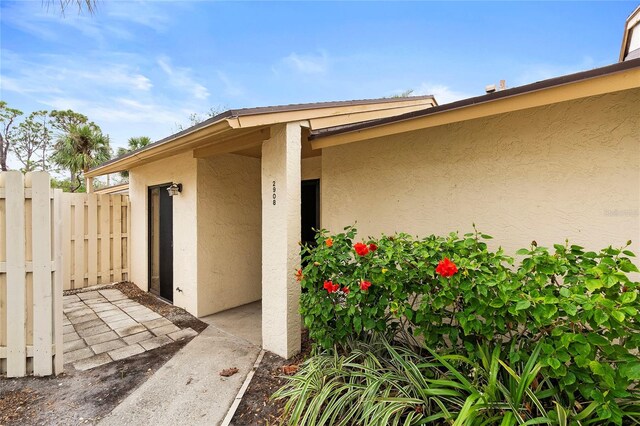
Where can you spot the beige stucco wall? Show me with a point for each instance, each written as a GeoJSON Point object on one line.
{"type": "Point", "coordinates": [570, 170]}
{"type": "Point", "coordinates": [311, 168]}
{"type": "Point", "coordinates": [229, 232]}
{"type": "Point", "coordinates": [180, 169]}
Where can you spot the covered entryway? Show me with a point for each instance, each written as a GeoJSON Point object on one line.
{"type": "Point", "coordinates": [161, 242]}
{"type": "Point", "coordinates": [243, 210]}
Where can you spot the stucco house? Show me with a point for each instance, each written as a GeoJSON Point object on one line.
{"type": "Point", "coordinates": [555, 159]}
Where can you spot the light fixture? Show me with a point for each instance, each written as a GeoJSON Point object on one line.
{"type": "Point", "coordinates": [174, 189]}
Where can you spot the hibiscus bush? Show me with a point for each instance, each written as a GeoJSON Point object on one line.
{"type": "Point", "coordinates": [454, 293]}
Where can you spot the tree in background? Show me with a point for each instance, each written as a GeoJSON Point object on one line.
{"type": "Point", "coordinates": [7, 129]}
{"type": "Point", "coordinates": [132, 145]}
{"type": "Point", "coordinates": [81, 148]}
{"type": "Point", "coordinates": [63, 121]}
{"type": "Point", "coordinates": [32, 142]}
{"type": "Point", "coordinates": [196, 118]}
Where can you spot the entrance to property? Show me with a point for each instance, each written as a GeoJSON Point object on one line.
{"type": "Point", "coordinates": [310, 211]}
{"type": "Point", "coordinates": [161, 242]}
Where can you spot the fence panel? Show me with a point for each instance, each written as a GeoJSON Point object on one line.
{"type": "Point", "coordinates": [50, 240]}
{"type": "Point", "coordinates": [95, 239]}
{"type": "Point", "coordinates": [31, 292]}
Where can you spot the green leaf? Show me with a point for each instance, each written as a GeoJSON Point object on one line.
{"type": "Point", "coordinates": [522, 304]}
{"type": "Point", "coordinates": [600, 317]}
{"type": "Point", "coordinates": [522, 252]}
{"type": "Point", "coordinates": [565, 292]}
{"type": "Point", "coordinates": [554, 363]}
{"type": "Point", "coordinates": [597, 368]}
{"type": "Point", "coordinates": [570, 308]}
{"type": "Point", "coordinates": [596, 339]}
{"type": "Point", "coordinates": [627, 266]}
{"type": "Point", "coordinates": [630, 370]}
{"type": "Point", "coordinates": [618, 316]}
{"type": "Point", "coordinates": [593, 284]}
{"type": "Point", "coordinates": [628, 297]}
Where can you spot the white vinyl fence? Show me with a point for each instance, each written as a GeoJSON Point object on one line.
{"type": "Point", "coordinates": [30, 277]}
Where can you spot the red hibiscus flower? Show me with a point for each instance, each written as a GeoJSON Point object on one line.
{"type": "Point", "coordinates": [299, 275]}
{"type": "Point", "coordinates": [446, 268]}
{"type": "Point", "coordinates": [373, 247]}
{"type": "Point", "coordinates": [331, 287]}
{"type": "Point", "coordinates": [364, 285]}
{"type": "Point", "coordinates": [345, 290]}
{"type": "Point", "coordinates": [361, 249]}
{"type": "Point", "coordinates": [329, 242]}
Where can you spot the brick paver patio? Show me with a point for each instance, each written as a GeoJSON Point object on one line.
{"type": "Point", "coordinates": [104, 325]}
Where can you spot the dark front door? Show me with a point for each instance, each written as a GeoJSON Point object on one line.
{"type": "Point", "coordinates": [161, 242]}
{"type": "Point", "coordinates": [310, 198]}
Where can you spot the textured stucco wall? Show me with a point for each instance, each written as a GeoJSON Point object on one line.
{"type": "Point", "coordinates": [311, 168]}
{"type": "Point", "coordinates": [229, 232]}
{"type": "Point", "coordinates": [180, 169]}
{"type": "Point", "coordinates": [570, 170]}
{"type": "Point", "coordinates": [280, 240]}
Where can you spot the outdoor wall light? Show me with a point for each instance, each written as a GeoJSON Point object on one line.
{"type": "Point", "coordinates": [174, 189]}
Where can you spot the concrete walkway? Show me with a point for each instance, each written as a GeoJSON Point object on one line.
{"type": "Point", "coordinates": [188, 389]}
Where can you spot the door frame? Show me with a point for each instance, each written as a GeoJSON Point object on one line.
{"type": "Point", "coordinates": [150, 243]}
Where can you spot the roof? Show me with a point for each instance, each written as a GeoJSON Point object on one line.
{"type": "Point", "coordinates": [632, 21]}
{"type": "Point", "coordinates": [318, 136]}
{"type": "Point", "coordinates": [246, 117]}
{"type": "Point", "coordinates": [120, 188]}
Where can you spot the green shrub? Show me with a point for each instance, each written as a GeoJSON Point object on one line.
{"type": "Point", "coordinates": [375, 382]}
{"type": "Point", "coordinates": [579, 306]}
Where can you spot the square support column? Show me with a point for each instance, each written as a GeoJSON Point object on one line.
{"type": "Point", "coordinates": [281, 156]}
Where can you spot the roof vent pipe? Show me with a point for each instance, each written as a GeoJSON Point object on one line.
{"type": "Point", "coordinates": [492, 87]}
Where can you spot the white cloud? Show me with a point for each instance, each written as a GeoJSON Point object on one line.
{"type": "Point", "coordinates": [112, 20]}
{"type": "Point", "coordinates": [118, 110]}
{"type": "Point", "coordinates": [443, 94]}
{"type": "Point", "coordinates": [49, 73]}
{"type": "Point", "coordinates": [181, 78]}
{"type": "Point", "coordinates": [141, 13]}
{"type": "Point", "coordinates": [308, 63]}
{"type": "Point", "coordinates": [230, 87]}
{"type": "Point", "coordinates": [115, 93]}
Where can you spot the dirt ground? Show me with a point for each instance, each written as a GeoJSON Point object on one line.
{"type": "Point", "coordinates": [257, 407]}
{"type": "Point", "coordinates": [84, 397]}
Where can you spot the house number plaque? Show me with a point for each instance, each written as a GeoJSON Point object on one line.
{"type": "Point", "coordinates": [274, 192]}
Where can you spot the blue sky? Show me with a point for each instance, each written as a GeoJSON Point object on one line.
{"type": "Point", "coordinates": [140, 68]}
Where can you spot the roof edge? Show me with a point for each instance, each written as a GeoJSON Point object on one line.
{"type": "Point", "coordinates": [233, 114]}
{"type": "Point", "coordinates": [490, 97]}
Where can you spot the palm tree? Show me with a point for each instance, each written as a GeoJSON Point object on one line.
{"type": "Point", "coordinates": [80, 149]}
{"type": "Point", "coordinates": [82, 5]}
{"type": "Point", "coordinates": [132, 145]}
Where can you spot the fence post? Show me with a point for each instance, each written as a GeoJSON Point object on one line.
{"type": "Point", "coordinates": [59, 213]}
{"type": "Point", "coordinates": [116, 259]}
{"type": "Point", "coordinates": [78, 255]}
{"type": "Point", "coordinates": [42, 286]}
{"type": "Point", "coordinates": [16, 274]}
{"type": "Point", "coordinates": [65, 235]}
{"type": "Point", "coordinates": [92, 239]}
{"type": "Point", "coordinates": [105, 238]}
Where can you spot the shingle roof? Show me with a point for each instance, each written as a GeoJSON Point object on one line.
{"type": "Point", "coordinates": [540, 85]}
{"type": "Point", "coordinates": [234, 113]}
